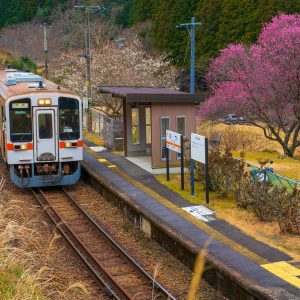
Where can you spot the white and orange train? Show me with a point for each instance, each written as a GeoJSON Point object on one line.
{"type": "Point", "coordinates": [40, 130]}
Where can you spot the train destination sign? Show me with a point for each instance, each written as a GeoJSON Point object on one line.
{"type": "Point", "coordinates": [198, 148]}
{"type": "Point", "coordinates": [173, 141]}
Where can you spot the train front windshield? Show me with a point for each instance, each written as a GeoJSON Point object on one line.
{"type": "Point", "coordinates": [20, 120]}
{"type": "Point", "coordinates": [69, 128]}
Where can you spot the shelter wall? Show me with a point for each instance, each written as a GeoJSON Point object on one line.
{"type": "Point", "coordinates": [171, 110]}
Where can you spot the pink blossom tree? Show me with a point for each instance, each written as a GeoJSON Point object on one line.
{"type": "Point", "coordinates": [261, 82]}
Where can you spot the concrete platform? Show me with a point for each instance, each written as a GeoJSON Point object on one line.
{"type": "Point", "coordinates": [238, 265]}
{"type": "Point", "coordinates": [144, 162]}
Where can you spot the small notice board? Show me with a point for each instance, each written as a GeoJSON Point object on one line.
{"type": "Point", "coordinates": [199, 152]}
{"type": "Point", "coordinates": [198, 148]}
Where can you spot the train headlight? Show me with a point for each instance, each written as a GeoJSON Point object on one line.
{"type": "Point", "coordinates": [68, 145]}
{"type": "Point", "coordinates": [71, 144]}
{"type": "Point", "coordinates": [44, 102]}
{"type": "Point", "coordinates": [21, 147]}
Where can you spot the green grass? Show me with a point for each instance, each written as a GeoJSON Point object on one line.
{"type": "Point", "coordinates": [216, 202]}
{"type": "Point", "coordinates": [15, 283]}
{"type": "Point", "coordinates": [283, 166]}
{"type": "Point", "coordinates": [8, 281]}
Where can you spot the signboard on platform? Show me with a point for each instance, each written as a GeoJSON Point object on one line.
{"type": "Point", "coordinates": [173, 141]}
{"type": "Point", "coordinates": [201, 212]}
{"type": "Point", "coordinates": [199, 152]}
{"type": "Point", "coordinates": [98, 149]}
{"type": "Point", "coordinates": [198, 148]}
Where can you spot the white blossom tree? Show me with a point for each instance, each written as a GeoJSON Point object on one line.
{"type": "Point", "coordinates": [112, 66]}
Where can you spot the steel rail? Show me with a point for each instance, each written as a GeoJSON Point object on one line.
{"type": "Point", "coordinates": [112, 287]}
{"type": "Point", "coordinates": [152, 280]}
{"type": "Point", "coordinates": [91, 266]}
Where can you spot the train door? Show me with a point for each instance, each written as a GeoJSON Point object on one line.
{"type": "Point", "coordinates": [45, 134]}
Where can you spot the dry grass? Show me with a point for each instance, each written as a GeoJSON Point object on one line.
{"type": "Point", "coordinates": [209, 128]}
{"type": "Point", "coordinates": [93, 138]}
{"type": "Point", "coordinates": [3, 57]}
{"type": "Point", "coordinates": [27, 263]}
{"type": "Point", "coordinates": [26, 266]}
{"type": "Point", "coordinates": [226, 209]}
{"type": "Point", "coordinates": [252, 142]}
{"type": "Point", "coordinates": [198, 271]}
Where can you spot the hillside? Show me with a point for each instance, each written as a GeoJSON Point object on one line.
{"type": "Point", "coordinates": [154, 21]}
{"type": "Point", "coordinates": [15, 11]}
{"type": "Point", "coordinates": [223, 22]}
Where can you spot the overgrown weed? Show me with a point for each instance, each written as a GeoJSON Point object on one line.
{"type": "Point", "coordinates": [27, 263]}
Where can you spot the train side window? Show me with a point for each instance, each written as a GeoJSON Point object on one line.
{"type": "Point", "coordinates": [45, 126]}
{"type": "Point", "coordinates": [20, 120]}
{"type": "Point", "coordinates": [68, 118]}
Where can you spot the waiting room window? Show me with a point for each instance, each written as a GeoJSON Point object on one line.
{"type": "Point", "coordinates": [164, 125]}
{"type": "Point", "coordinates": [135, 126]}
{"type": "Point", "coordinates": [148, 125]}
{"type": "Point", "coordinates": [180, 128]}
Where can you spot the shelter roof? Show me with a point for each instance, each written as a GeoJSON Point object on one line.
{"type": "Point", "coordinates": [150, 94]}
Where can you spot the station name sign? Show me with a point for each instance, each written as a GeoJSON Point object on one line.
{"type": "Point", "coordinates": [173, 141]}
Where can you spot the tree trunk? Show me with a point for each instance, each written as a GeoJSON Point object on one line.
{"type": "Point", "coordinates": [289, 152]}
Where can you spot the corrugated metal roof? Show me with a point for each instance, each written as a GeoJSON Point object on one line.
{"type": "Point", "coordinates": [150, 94]}
{"type": "Point", "coordinates": [124, 91]}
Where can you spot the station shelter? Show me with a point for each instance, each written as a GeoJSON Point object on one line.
{"type": "Point", "coordinates": [148, 113]}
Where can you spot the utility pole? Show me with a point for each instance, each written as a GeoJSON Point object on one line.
{"type": "Point", "coordinates": [191, 27]}
{"type": "Point", "coordinates": [45, 26]}
{"type": "Point", "coordinates": [87, 55]}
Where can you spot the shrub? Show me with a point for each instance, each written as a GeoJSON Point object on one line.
{"type": "Point", "coordinates": [271, 203]}
{"type": "Point", "coordinates": [225, 173]}
{"type": "Point", "coordinates": [263, 199]}
{"type": "Point", "coordinates": [23, 63]}
{"type": "Point", "coordinates": [289, 213]}
{"type": "Point", "coordinates": [241, 139]}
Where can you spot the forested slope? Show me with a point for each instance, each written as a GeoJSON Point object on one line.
{"type": "Point", "coordinates": [223, 21]}
{"type": "Point", "coordinates": [16, 11]}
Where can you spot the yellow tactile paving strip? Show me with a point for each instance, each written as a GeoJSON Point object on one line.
{"type": "Point", "coordinates": [284, 271]}
{"type": "Point", "coordinates": [290, 278]}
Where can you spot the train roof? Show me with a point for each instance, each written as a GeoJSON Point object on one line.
{"type": "Point", "coordinates": [23, 83]}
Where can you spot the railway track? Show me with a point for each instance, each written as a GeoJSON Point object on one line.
{"type": "Point", "coordinates": [119, 274]}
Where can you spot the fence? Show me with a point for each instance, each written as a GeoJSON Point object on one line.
{"type": "Point", "coordinates": [110, 129]}
{"type": "Point", "coordinates": [267, 174]}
